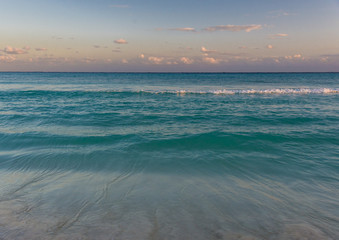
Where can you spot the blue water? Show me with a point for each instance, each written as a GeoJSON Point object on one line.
{"type": "Point", "coordinates": [169, 156]}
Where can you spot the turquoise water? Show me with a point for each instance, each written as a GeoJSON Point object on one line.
{"type": "Point", "coordinates": [169, 156]}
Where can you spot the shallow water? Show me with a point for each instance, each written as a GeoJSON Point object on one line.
{"type": "Point", "coordinates": [169, 156]}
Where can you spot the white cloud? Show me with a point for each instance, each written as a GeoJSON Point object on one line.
{"type": "Point", "coordinates": [11, 50]}
{"type": "Point", "coordinates": [186, 60]}
{"type": "Point", "coordinates": [233, 28]}
{"type": "Point", "coordinates": [120, 41]}
{"type": "Point", "coordinates": [210, 60]}
{"type": "Point", "coordinates": [155, 60]}
{"type": "Point", "coordinates": [185, 29]}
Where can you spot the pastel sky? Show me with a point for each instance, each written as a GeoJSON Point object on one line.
{"type": "Point", "coordinates": [169, 35]}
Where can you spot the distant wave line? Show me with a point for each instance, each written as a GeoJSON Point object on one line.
{"type": "Point", "coordinates": [185, 91]}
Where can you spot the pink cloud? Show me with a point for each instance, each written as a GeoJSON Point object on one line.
{"type": "Point", "coordinates": [278, 35]}
{"type": "Point", "coordinates": [11, 50]}
{"type": "Point", "coordinates": [120, 41]}
{"type": "Point", "coordinates": [210, 60]}
{"type": "Point", "coordinates": [294, 57]}
{"type": "Point", "coordinates": [5, 58]}
{"type": "Point", "coordinates": [155, 60]}
{"type": "Point", "coordinates": [205, 50]}
{"type": "Point", "coordinates": [186, 60]}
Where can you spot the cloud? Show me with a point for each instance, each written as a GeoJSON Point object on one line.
{"type": "Point", "coordinates": [206, 51]}
{"type": "Point", "coordinates": [281, 35]}
{"type": "Point", "coordinates": [155, 60]}
{"type": "Point", "coordinates": [40, 49]}
{"type": "Point", "coordinates": [171, 63]}
{"type": "Point", "coordinates": [11, 50]}
{"type": "Point", "coordinates": [233, 28]}
{"type": "Point", "coordinates": [278, 35]}
{"type": "Point", "coordinates": [119, 6]}
{"type": "Point", "coordinates": [142, 56]}
{"type": "Point", "coordinates": [330, 55]}
{"type": "Point", "coordinates": [295, 56]}
{"type": "Point", "coordinates": [120, 41]}
{"type": "Point", "coordinates": [186, 60]}
{"type": "Point", "coordinates": [185, 29]}
{"type": "Point", "coordinates": [210, 60]}
{"type": "Point", "coordinates": [269, 46]}
{"type": "Point", "coordinates": [88, 60]}
{"type": "Point", "coordinates": [278, 13]}
{"type": "Point", "coordinates": [6, 58]}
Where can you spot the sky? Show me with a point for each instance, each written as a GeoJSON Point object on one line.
{"type": "Point", "coordinates": [169, 36]}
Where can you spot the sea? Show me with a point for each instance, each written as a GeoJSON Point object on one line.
{"type": "Point", "coordinates": [203, 156]}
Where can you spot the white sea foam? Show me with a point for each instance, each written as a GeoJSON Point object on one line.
{"type": "Point", "coordinates": [253, 91]}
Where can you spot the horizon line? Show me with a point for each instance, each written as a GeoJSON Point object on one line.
{"type": "Point", "coordinates": [167, 72]}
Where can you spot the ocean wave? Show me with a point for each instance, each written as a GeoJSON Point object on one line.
{"type": "Point", "coordinates": [225, 91]}
{"type": "Point", "coordinates": [254, 91]}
